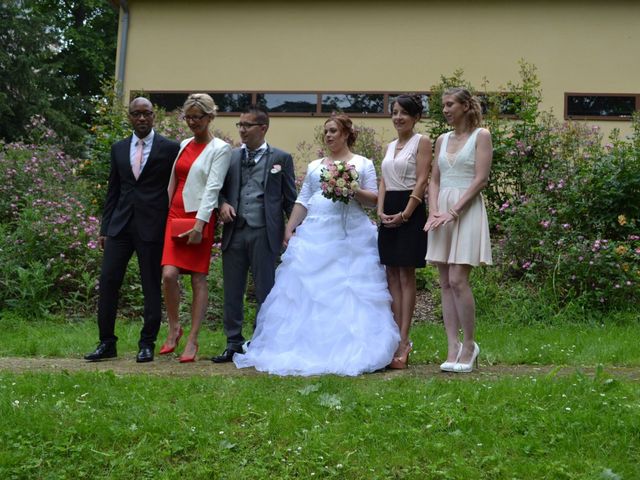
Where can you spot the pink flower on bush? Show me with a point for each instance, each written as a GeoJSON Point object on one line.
{"type": "Point", "coordinates": [545, 223]}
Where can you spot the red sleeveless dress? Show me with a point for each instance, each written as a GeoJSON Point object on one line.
{"type": "Point", "coordinates": [188, 258]}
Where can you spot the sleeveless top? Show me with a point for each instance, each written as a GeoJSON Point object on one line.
{"type": "Point", "coordinates": [399, 169]}
{"type": "Point", "coordinates": [458, 169]}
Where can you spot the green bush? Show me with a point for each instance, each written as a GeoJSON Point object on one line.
{"type": "Point", "coordinates": [574, 228]}
{"type": "Point", "coordinates": [49, 235]}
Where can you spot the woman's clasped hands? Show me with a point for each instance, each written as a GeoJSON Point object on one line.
{"type": "Point", "coordinates": [437, 219]}
{"type": "Point", "coordinates": [391, 221]}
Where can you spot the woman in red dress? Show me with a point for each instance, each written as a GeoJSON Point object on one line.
{"type": "Point", "coordinates": [197, 176]}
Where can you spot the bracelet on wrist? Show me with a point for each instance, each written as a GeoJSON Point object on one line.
{"type": "Point", "coordinates": [416, 197]}
{"type": "Point", "coordinates": [404, 220]}
{"type": "Point", "coordinates": [453, 213]}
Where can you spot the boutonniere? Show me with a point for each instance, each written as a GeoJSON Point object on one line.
{"type": "Point", "coordinates": [276, 168]}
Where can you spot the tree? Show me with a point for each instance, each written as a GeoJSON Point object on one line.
{"type": "Point", "coordinates": [55, 55]}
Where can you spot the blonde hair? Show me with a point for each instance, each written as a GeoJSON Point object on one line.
{"type": "Point", "coordinates": [203, 101]}
{"type": "Point", "coordinates": [473, 116]}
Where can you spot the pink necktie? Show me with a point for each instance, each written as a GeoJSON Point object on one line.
{"type": "Point", "coordinates": [137, 159]}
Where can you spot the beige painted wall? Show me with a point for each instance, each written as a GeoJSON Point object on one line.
{"type": "Point", "coordinates": [582, 46]}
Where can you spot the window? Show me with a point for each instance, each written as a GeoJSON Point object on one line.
{"type": "Point", "coordinates": [361, 103]}
{"type": "Point", "coordinates": [288, 102]}
{"type": "Point", "coordinates": [231, 102]}
{"type": "Point", "coordinates": [285, 104]}
{"type": "Point", "coordinates": [227, 102]}
{"type": "Point", "coordinates": [166, 100]}
{"type": "Point", "coordinates": [599, 106]}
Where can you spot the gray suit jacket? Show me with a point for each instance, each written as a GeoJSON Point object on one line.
{"type": "Point", "coordinates": [279, 193]}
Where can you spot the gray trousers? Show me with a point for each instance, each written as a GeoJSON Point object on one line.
{"type": "Point", "coordinates": [248, 250]}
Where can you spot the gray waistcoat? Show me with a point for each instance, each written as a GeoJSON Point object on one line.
{"type": "Point", "coordinates": [251, 206]}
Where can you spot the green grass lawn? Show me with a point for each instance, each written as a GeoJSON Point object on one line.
{"type": "Point", "coordinates": [101, 425]}
{"type": "Point", "coordinates": [104, 426]}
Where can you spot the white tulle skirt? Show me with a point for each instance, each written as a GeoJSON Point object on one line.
{"type": "Point", "coordinates": [330, 309]}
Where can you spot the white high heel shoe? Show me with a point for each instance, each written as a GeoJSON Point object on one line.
{"type": "Point", "coordinates": [449, 366]}
{"type": "Point", "coordinates": [468, 367]}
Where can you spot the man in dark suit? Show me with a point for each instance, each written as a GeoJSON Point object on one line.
{"type": "Point", "coordinates": [134, 217]}
{"type": "Point", "coordinates": [258, 191]}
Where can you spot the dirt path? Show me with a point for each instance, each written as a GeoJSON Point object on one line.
{"type": "Point", "coordinates": [164, 366]}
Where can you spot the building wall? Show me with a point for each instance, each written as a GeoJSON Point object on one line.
{"type": "Point", "coordinates": [587, 46]}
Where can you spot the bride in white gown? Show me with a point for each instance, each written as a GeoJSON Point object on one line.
{"type": "Point", "coordinates": [330, 309]}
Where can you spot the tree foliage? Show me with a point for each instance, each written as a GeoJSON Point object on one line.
{"type": "Point", "coordinates": [55, 54]}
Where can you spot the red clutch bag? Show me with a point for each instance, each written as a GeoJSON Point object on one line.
{"type": "Point", "coordinates": [179, 226]}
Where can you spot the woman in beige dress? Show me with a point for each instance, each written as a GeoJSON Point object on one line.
{"type": "Point", "coordinates": [458, 227]}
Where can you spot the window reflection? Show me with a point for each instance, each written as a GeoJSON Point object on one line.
{"type": "Point", "coordinates": [226, 102]}
{"type": "Point", "coordinates": [600, 105]}
{"type": "Point", "coordinates": [288, 102]}
{"type": "Point", "coordinates": [353, 103]}
{"type": "Point", "coordinates": [231, 102]}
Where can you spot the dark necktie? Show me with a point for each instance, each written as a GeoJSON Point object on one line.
{"type": "Point", "coordinates": [250, 158]}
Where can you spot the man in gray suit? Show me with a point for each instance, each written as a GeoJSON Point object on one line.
{"type": "Point", "coordinates": [258, 191]}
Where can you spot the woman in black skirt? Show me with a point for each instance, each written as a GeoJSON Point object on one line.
{"type": "Point", "coordinates": [402, 242]}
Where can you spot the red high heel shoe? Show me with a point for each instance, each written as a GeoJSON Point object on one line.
{"type": "Point", "coordinates": [402, 362]}
{"type": "Point", "coordinates": [189, 358]}
{"type": "Point", "coordinates": [165, 349]}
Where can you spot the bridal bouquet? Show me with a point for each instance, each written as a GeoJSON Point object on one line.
{"type": "Point", "coordinates": [339, 181]}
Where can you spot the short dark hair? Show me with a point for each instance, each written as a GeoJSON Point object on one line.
{"type": "Point", "coordinates": [261, 113]}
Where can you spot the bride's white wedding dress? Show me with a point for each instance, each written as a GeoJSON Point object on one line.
{"type": "Point", "coordinates": [330, 309]}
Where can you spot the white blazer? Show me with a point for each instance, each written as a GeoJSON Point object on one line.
{"type": "Point", "coordinates": [205, 178]}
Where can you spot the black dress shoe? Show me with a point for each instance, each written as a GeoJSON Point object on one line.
{"type": "Point", "coordinates": [227, 356]}
{"type": "Point", "coordinates": [145, 354]}
{"type": "Point", "coordinates": [103, 351]}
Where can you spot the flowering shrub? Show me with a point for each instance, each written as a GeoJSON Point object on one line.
{"type": "Point", "coordinates": [49, 233]}
{"type": "Point", "coordinates": [575, 225]}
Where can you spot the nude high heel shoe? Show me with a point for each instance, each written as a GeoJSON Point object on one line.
{"type": "Point", "coordinates": [468, 367]}
{"type": "Point", "coordinates": [402, 362]}
{"type": "Point", "coordinates": [449, 366]}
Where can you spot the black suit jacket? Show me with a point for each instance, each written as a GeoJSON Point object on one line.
{"type": "Point", "coordinates": [145, 199]}
{"type": "Point", "coordinates": [279, 193]}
